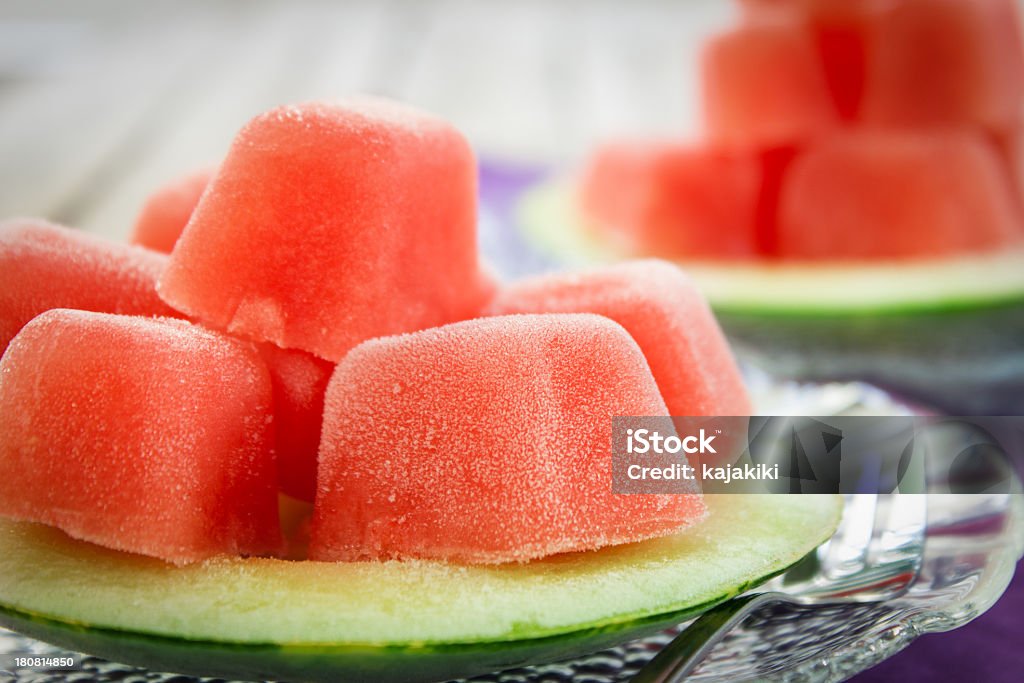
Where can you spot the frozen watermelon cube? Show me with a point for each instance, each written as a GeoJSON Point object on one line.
{"type": "Point", "coordinates": [662, 309]}
{"type": "Point", "coordinates": [44, 266]}
{"type": "Point", "coordinates": [299, 380]}
{"type": "Point", "coordinates": [673, 200]}
{"type": "Point", "coordinates": [328, 224]}
{"type": "Point", "coordinates": [486, 441]}
{"type": "Point", "coordinates": [149, 436]}
{"type": "Point", "coordinates": [764, 85]}
{"type": "Point", "coordinates": [945, 62]}
{"type": "Point", "coordinates": [166, 212]}
{"type": "Point", "coordinates": [889, 194]}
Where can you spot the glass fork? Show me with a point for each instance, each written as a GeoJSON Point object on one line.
{"type": "Point", "coordinates": [874, 556]}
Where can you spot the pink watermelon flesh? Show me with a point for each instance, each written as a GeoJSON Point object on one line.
{"type": "Point", "coordinates": [44, 266]}
{"type": "Point", "coordinates": [673, 200]}
{"type": "Point", "coordinates": [1010, 145]}
{"type": "Point", "coordinates": [764, 86]}
{"type": "Point", "coordinates": [299, 380]}
{"type": "Point", "coordinates": [894, 195]}
{"type": "Point", "coordinates": [166, 211]}
{"type": "Point", "coordinates": [775, 165]}
{"type": "Point", "coordinates": [150, 436]}
{"type": "Point", "coordinates": [913, 62]}
{"type": "Point", "coordinates": [328, 224]}
{"type": "Point", "coordinates": [841, 31]}
{"type": "Point", "coordinates": [485, 441]}
{"type": "Point", "coordinates": [661, 308]}
{"type": "Point", "coordinates": [945, 62]}
{"type": "Point", "coordinates": [843, 34]}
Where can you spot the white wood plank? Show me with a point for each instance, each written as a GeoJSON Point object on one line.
{"type": "Point", "coordinates": [130, 95]}
{"type": "Point", "coordinates": [284, 54]}
{"type": "Point", "coordinates": [237, 73]}
{"type": "Point", "coordinates": [56, 132]}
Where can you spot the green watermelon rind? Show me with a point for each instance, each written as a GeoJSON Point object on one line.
{"type": "Point", "coordinates": [381, 663]}
{"type": "Point", "coordinates": [550, 221]}
{"type": "Point", "coordinates": [42, 584]}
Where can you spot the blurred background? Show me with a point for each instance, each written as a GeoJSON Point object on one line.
{"type": "Point", "coordinates": [102, 101]}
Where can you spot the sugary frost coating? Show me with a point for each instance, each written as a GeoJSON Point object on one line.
{"type": "Point", "coordinates": [485, 441]}
{"type": "Point", "coordinates": [151, 436]}
{"type": "Point", "coordinates": [328, 224]}
{"type": "Point", "coordinates": [44, 266]}
{"type": "Point", "coordinates": [667, 316]}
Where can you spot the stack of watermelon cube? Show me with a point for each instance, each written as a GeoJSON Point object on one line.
{"type": "Point", "coordinates": [836, 130]}
{"type": "Point", "coordinates": [323, 327]}
{"type": "Point", "coordinates": [166, 212]}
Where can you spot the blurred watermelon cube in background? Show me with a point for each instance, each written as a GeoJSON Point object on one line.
{"type": "Point", "coordinates": [877, 130]}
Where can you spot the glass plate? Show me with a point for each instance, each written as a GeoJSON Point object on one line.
{"type": "Point", "coordinates": [974, 542]}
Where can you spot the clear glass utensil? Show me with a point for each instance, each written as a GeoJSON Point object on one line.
{"type": "Point", "coordinates": [874, 556]}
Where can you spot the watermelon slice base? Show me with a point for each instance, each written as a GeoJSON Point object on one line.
{"type": "Point", "coordinates": [392, 621]}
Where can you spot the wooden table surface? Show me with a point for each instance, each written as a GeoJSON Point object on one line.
{"type": "Point", "coordinates": [101, 101]}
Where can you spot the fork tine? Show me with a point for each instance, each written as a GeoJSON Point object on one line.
{"type": "Point", "coordinates": [902, 536]}
{"type": "Point", "coordinates": [847, 552]}
{"type": "Point", "coordinates": [892, 558]}
{"type": "Point", "coordinates": [875, 555]}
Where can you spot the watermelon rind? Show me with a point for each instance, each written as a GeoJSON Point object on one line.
{"type": "Point", "coordinates": [392, 621]}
